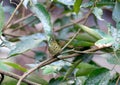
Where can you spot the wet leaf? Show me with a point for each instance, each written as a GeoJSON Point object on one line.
{"type": "Point", "coordinates": [85, 37]}
{"type": "Point", "coordinates": [105, 42]}
{"type": "Point", "coordinates": [84, 69]}
{"type": "Point", "coordinates": [27, 43]}
{"type": "Point", "coordinates": [71, 69]}
{"type": "Point", "coordinates": [115, 33]}
{"type": "Point", "coordinates": [78, 43]}
{"type": "Point", "coordinates": [57, 81]}
{"type": "Point", "coordinates": [116, 12]}
{"type": "Point", "coordinates": [90, 31]}
{"type": "Point", "coordinates": [98, 77]}
{"type": "Point", "coordinates": [50, 69]}
{"type": "Point", "coordinates": [114, 58]}
{"type": "Point", "coordinates": [40, 56]}
{"type": "Point", "coordinates": [98, 13]}
{"type": "Point", "coordinates": [44, 17]}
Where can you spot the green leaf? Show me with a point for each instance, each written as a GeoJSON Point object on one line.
{"type": "Point", "coordinates": [80, 80]}
{"type": "Point", "coordinates": [98, 77]}
{"type": "Point", "coordinates": [2, 18]}
{"type": "Point", "coordinates": [118, 0]}
{"type": "Point", "coordinates": [105, 42]}
{"type": "Point", "coordinates": [16, 66]}
{"type": "Point", "coordinates": [26, 2]}
{"type": "Point", "coordinates": [11, 81]}
{"type": "Point", "coordinates": [50, 69]}
{"type": "Point", "coordinates": [40, 11]}
{"type": "Point", "coordinates": [114, 58]}
{"type": "Point", "coordinates": [77, 5]}
{"type": "Point", "coordinates": [84, 57]}
{"type": "Point", "coordinates": [116, 12]}
{"type": "Point", "coordinates": [101, 33]}
{"type": "Point", "coordinates": [98, 13]}
{"type": "Point", "coordinates": [87, 4]}
{"type": "Point", "coordinates": [115, 33]}
{"type": "Point", "coordinates": [40, 56]}
{"type": "Point", "coordinates": [90, 31]}
{"type": "Point", "coordinates": [57, 81]}
{"type": "Point", "coordinates": [72, 68]}
{"type": "Point", "coordinates": [33, 36]}
{"type": "Point", "coordinates": [37, 79]}
{"type": "Point", "coordinates": [60, 81]}
{"type": "Point", "coordinates": [27, 43]}
{"type": "Point", "coordinates": [78, 43]}
{"type": "Point", "coordinates": [66, 2]}
{"type": "Point", "coordinates": [85, 37]}
{"type": "Point", "coordinates": [54, 67]}
{"type": "Point", "coordinates": [84, 69]}
{"type": "Point", "coordinates": [113, 82]}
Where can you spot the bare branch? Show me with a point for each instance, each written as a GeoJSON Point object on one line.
{"type": "Point", "coordinates": [17, 77]}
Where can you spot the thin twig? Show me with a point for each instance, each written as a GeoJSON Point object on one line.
{"type": "Point", "coordinates": [117, 82]}
{"type": "Point", "coordinates": [71, 39]}
{"type": "Point", "coordinates": [71, 69]}
{"type": "Point", "coordinates": [86, 17]}
{"type": "Point", "coordinates": [19, 20]}
{"type": "Point", "coordinates": [24, 25]}
{"type": "Point", "coordinates": [18, 6]}
{"type": "Point", "coordinates": [76, 51]}
{"type": "Point", "coordinates": [70, 24]}
{"type": "Point", "coordinates": [17, 77]}
{"type": "Point", "coordinates": [78, 21]}
{"type": "Point", "coordinates": [28, 56]}
{"type": "Point", "coordinates": [48, 61]}
{"type": "Point", "coordinates": [76, 54]}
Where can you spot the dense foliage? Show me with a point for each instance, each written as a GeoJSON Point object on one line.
{"type": "Point", "coordinates": [82, 38]}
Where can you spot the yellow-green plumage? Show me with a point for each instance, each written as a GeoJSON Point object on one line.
{"type": "Point", "coordinates": [54, 48]}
